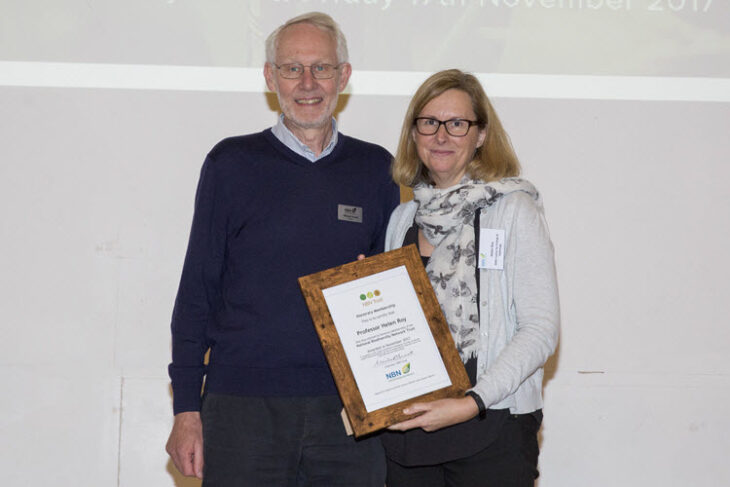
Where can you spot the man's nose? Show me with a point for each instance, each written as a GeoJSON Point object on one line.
{"type": "Point", "coordinates": [307, 80]}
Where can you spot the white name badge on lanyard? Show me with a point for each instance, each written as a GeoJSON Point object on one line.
{"type": "Point", "coordinates": [491, 248]}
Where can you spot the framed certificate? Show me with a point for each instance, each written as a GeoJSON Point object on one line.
{"type": "Point", "coordinates": [385, 338]}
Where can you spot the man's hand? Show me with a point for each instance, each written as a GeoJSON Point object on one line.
{"type": "Point", "coordinates": [185, 444]}
{"type": "Point", "coordinates": [438, 414]}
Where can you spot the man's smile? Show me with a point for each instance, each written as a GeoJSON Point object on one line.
{"type": "Point", "coordinates": [308, 101]}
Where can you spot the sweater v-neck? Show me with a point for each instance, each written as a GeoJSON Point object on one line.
{"type": "Point", "coordinates": [303, 161]}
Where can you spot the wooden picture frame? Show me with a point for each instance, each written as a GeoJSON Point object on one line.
{"type": "Point", "coordinates": [362, 421]}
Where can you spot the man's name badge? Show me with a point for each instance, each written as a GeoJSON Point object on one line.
{"type": "Point", "coordinates": [491, 249]}
{"type": "Point", "coordinates": [349, 213]}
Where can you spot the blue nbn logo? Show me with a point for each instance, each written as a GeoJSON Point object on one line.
{"type": "Point", "coordinates": [393, 374]}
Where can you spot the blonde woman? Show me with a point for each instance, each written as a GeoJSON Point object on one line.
{"type": "Point", "coordinates": [503, 312]}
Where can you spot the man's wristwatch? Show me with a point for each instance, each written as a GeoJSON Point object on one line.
{"type": "Point", "coordinates": [480, 403]}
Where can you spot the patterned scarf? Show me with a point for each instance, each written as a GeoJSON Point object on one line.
{"type": "Point", "coordinates": [446, 217]}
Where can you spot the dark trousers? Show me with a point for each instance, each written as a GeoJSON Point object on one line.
{"type": "Point", "coordinates": [284, 441]}
{"type": "Point", "coordinates": [511, 461]}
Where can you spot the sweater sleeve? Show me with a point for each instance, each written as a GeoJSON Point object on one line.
{"type": "Point", "coordinates": [387, 195]}
{"type": "Point", "coordinates": [534, 305]}
{"type": "Point", "coordinates": [199, 291]}
{"type": "Point", "coordinates": [390, 198]}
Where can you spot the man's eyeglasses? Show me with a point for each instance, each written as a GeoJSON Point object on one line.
{"type": "Point", "coordinates": [295, 70]}
{"type": "Point", "coordinates": [457, 127]}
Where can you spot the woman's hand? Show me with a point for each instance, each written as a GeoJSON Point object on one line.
{"type": "Point", "coordinates": [438, 414]}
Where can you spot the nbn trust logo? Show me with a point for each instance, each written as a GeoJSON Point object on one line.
{"type": "Point", "coordinates": [370, 295]}
{"type": "Point", "coordinates": [398, 372]}
{"type": "Point", "coordinates": [393, 374]}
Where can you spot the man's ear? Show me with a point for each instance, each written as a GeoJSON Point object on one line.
{"type": "Point", "coordinates": [270, 76]}
{"type": "Point", "coordinates": [345, 72]}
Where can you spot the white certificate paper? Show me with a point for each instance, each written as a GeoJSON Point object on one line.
{"type": "Point", "coordinates": [386, 338]}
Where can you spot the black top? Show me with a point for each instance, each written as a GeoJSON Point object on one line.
{"type": "Point", "coordinates": [417, 447]}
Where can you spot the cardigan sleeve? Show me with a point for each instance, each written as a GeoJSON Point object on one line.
{"type": "Point", "coordinates": [532, 293]}
{"type": "Point", "coordinates": [400, 221]}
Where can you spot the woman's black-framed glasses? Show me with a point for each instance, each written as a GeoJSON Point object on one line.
{"type": "Point", "coordinates": [457, 127]}
{"type": "Point", "coordinates": [296, 70]}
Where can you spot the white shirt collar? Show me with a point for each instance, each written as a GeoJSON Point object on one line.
{"type": "Point", "coordinates": [290, 140]}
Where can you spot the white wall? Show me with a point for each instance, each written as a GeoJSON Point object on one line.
{"type": "Point", "coordinates": [98, 171]}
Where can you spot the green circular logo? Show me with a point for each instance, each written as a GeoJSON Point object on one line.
{"type": "Point", "coordinates": [363, 297]}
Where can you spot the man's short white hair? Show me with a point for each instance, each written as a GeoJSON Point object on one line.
{"type": "Point", "coordinates": [318, 19]}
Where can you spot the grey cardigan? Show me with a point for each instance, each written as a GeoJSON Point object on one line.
{"type": "Point", "coordinates": [519, 311]}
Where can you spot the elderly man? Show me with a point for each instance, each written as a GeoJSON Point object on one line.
{"type": "Point", "coordinates": [271, 207]}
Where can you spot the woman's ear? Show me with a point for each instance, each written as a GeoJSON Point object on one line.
{"type": "Point", "coordinates": [482, 136]}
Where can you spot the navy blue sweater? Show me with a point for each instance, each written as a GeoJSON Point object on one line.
{"type": "Point", "coordinates": [265, 216]}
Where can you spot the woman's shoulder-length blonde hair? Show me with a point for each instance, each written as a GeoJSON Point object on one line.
{"type": "Point", "coordinates": [495, 159]}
